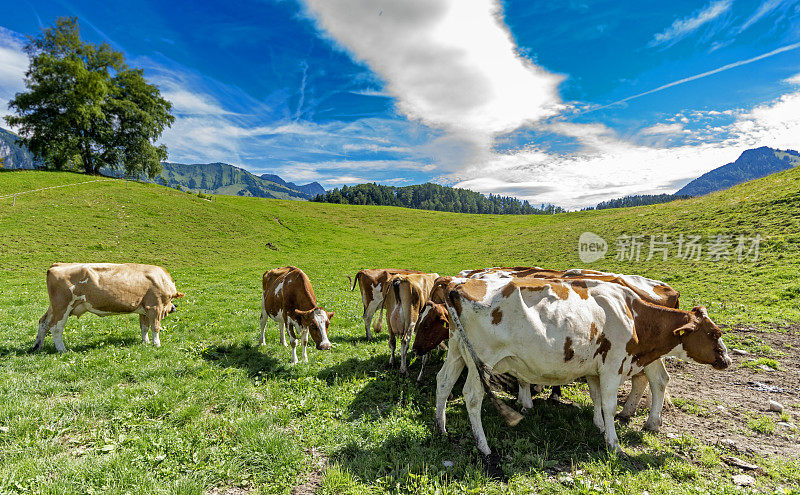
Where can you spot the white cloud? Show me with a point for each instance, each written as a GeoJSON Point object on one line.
{"type": "Point", "coordinates": [451, 64]}
{"type": "Point", "coordinates": [765, 8]}
{"type": "Point", "coordinates": [608, 166]}
{"type": "Point", "coordinates": [13, 64]}
{"type": "Point", "coordinates": [659, 129]}
{"type": "Point", "coordinates": [682, 27]}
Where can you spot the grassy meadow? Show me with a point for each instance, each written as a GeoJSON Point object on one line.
{"type": "Point", "coordinates": [211, 410]}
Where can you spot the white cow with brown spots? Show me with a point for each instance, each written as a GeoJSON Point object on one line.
{"type": "Point", "coordinates": [289, 299]}
{"type": "Point", "coordinates": [405, 295]}
{"type": "Point", "coordinates": [106, 289]}
{"type": "Point", "coordinates": [372, 284]}
{"type": "Point", "coordinates": [554, 331]}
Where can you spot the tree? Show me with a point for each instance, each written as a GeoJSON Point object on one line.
{"type": "Point", "coordinates": [85, 109]}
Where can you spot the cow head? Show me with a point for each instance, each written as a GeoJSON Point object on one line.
{"type": "Point", "coordinates": [433, 328]}
{"type": "Point", "coordinates": [316, 321]}
{"type": "Point", "coordinates": [701, 339]}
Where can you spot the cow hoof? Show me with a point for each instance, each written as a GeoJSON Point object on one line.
{"type": "Point", "coordinates": [652, 428]}
{"type": "Point", "coordinates": [492, 464]}
{"type": "Point", "coordinates": [524, 410]}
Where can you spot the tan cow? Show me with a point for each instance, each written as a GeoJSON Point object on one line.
{"type": "Point", "coordinates": [106, 289]}
{"type": "Point", "coordinates": [404, 297]}
{"type": "Point", "coordinates": [555, 331]}
{"type": "Point", "coordinates": [289, 299]}
{"type": "Point", "coordinates": [372, 282]}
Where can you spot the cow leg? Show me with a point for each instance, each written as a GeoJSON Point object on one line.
{"type": "Point", "coordinates": [445, 381]}
{"type": "Point", "coordinates": [263, 322]}
{"type": "Point", "coordinates": [473, 397]}
{"type": "Point", "coordinates": [304, 342]}
{"type": "Point", "coordinates": [555, 393]}
{"type": "Point", "coordinates": [392, 346]}
{"type": "Point", "coordinates": [144, 325]}
{"type": "Point", "coordinates": [422, 366]}
{"type": "Point", "coordinates": [658, 378]}
{"type": "Point", "coordinates": [293, 343]}
{"type": "Point", "coordinates": [369, 313]}
{"type": "Point", "coordinates": [155, 325]}
{"type": "Point", "coordinates": [406, 339]}
{"type": "Point", "coordinates": [594, 392]}
{"type": "Point", "coordinates": [58, 334]}
{"type": "Point", "coordinates": [609, 384]}
{"type": "Point", "coordinates": [524, 396]}
{"type": "Point", "coordinates": [44, 326]}
{"type": "Point", "coordinates": [638, 385]}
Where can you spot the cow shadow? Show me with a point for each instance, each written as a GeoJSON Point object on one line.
{"type": "Point", "coordinates": [247, 357]}
{"type": "Point", "coordinates": [50, 348]}
{"type": "Point", "coordinates": [552, 436]}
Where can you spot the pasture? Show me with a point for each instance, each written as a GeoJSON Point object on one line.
{"type": "Point", "coordinates": [212, 412]}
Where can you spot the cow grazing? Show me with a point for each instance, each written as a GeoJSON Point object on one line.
{"type": "Point", "coordinates": [372, 282]}
{"type": "Point", "coordinates": [289, 300]}
{"type": "Point", "coordinates": [404, 297]}
{"type": "Point", "coordinates": [649, 290]}
{"type": "Point", "coordinates": [555, 331]}
{"type": "Point", "coordinates": [106, 289]}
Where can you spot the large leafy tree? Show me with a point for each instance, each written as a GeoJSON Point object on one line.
{"type": "Point", "coordinates": [85, 109]}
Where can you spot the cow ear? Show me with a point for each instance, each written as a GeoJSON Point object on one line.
{"type": "Point", "coordinates": [330, 314]}
{"type": "Point", "coordinates": [689, 327]}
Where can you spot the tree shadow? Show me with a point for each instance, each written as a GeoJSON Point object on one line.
{"type": "Point", "coordinates": [247, 357]}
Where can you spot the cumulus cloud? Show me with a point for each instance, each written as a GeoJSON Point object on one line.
{"type": "Point", "coordinates": [686, 25]}
{"type": "Point", "coordinates": [609, 166]}
{"type": "Point", "coordinates": [453, 65]}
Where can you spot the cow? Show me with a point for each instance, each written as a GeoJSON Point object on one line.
{"type": "Point", "coordinates": [652, 291]}
{"type": "Point", "coordinates": [106, 289]}
{"type": "Point", "coordinates": [289, 300]}
{"type": "Point", "coordinates": [405, 294]}
{"type": "Point", "coordinates": [372, 282]}
{"type": "Point", "coordinates": [555, 331]}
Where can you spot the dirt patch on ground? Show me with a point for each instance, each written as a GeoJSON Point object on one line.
{"type": "Point", "coordinates": [318, 461]}
{"type": "Point", "coordinates": [728, 407]}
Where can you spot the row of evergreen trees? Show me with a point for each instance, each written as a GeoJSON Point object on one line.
{"type": "Point", "coordinates": [638, 200]}
{"type": "Point", "coordinates": [432, 197]}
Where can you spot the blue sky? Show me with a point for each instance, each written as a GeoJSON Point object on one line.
{"type": "Point", "coordinates": [551, 103]}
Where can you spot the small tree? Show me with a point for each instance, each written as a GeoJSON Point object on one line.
{"type": "Point", "coordinates": [85, 109]}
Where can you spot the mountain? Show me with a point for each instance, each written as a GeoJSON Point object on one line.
{"type": "Point", "coordinates": [312, 189]}
{"type": "Point", "coordinates": [222, 178]}
{"type": "Point", "coordinates": [14, 156]}
{"type": "Point", "coordinates": [751, 164]}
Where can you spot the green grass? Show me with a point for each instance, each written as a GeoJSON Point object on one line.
{"type": "Point", "coordinates": [762, 424]}
{"type": "Point", "coordinates": [756, 363]}
{"type": "Point", "coordinates": [211, 408]}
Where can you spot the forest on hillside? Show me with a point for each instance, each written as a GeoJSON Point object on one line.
{"type": "Point", "coordinates": [433, 197]}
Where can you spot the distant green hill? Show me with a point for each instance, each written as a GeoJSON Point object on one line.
{"type": "Point", "coordinates": [222, 178]}
{"type": "Point", "coordinates": [212, 178]}
{"type": "Point", "coordinates": [751, 164]}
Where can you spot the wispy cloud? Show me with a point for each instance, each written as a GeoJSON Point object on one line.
{"type": "Point", "coordinates": [13, 64]}
{"type": "Point", "coordinates": [685, 80]}
{"type": "Point", "coordinates": [686, 25]}
{"type": "Point", "coordinates": [765, 8]}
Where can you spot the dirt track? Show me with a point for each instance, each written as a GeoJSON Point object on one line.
{"type": "Point", "coordinates": [721, 403]}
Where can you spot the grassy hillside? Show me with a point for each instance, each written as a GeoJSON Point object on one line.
{"type": "Point", "coordinates": [210, 408]}
{"type": "Point", "coordinates": [221, 178]}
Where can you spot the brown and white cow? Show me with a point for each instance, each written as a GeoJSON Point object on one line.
{"type": "Point", "coordinates": [289, 300]}
{"type": "Point", "coordinates": [555, 331]}
{"type": "Point", "coordinates": [405, 295]}
{"type": "Point", "coordinates": [372, 282]}
{"type": "Point", "coordinates": [649, 290]}
{"type": "Point", "coordinates": [106, 289]}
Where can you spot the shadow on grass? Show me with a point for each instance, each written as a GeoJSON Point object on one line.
{"type": "Point", "coordinates": [50, 348]}
{"type": "Point", "coordinates": [551, 435]}
{"type": "Point", "coordinates": [247, 357]}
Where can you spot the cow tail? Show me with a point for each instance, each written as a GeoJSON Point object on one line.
{"type": "Point", "coordinates": [377, 326]}
{"type": "Point", "coordinates": [353, 280]}
{"type": "Point", "coordinates": [485, 374]}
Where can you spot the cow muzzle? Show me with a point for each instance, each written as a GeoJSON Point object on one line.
{"type": "Point", "coordinates": [324, 346]}
{"type": "Point", "coordinates": [722, 363]}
